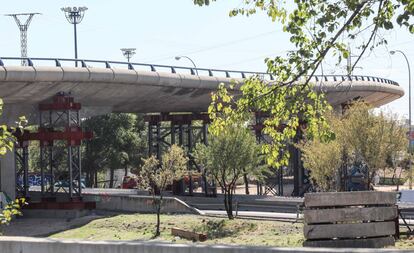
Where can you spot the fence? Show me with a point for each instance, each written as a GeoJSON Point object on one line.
{"type": "Point", "coordinates": [59, 62]}
{"type": "Point", "coordinates": [350, 219]}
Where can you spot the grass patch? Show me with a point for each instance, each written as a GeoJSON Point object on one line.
{"type": "Point", "coordinates": [219, 230]}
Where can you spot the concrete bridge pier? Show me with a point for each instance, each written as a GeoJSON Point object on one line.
{"type": "Point", "coordinates": [8, 174]}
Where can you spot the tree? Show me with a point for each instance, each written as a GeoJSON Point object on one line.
{"type": "Point", "coordinates": [318, 29]}
{"type": "Point", "coordinates": [11, 210]}
{"type": "Point", "coordinates": [323, 161]}
{"type": "Point", "coordinates": [372, 138]}
{"type": "Point", "coordinates": [118, 143]}
{"type": "Point", "coordinates": [156, 176]}
{"type": "Point", "coordinates": [229, 155]}
{"type": "Point", "coordinates": [361, 135]}
{"type": "Point", "coordinates": [7, 141]}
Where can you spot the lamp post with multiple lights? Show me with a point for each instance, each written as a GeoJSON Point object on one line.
{"type": "Point", "coordinates": [75, 15]}
{"type": "Point", "coordinates": [409, 116]}
{"type": "Point", "coordinates": [179, 57]}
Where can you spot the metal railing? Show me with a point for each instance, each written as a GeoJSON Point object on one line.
{"type": "Point", "coordinates": [209, 72]}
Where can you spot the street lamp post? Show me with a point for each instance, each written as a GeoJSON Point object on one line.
{"type": "Point", "coordinates": [179, 57]}
{"type": "Point", "coordinates": [128, 52]}
{"type": "Point", "coordinates": [409, 115]}
{"type": "Point", "coordinates": [74, 16]}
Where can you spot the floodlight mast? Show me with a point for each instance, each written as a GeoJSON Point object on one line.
{"type": "Point", "coordinates": [75, 15]}
{"type": "Point", "coordinates": [128, 52]}
{"type": "Point", "coordinates": [23, 27]}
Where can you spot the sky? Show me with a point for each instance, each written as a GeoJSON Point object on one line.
{"type": "Point", "coordinates": [163, 29]}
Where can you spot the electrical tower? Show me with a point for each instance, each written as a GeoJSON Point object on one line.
{"type": "Point", "coordinates": [23, 27]}
{"type": "Point", "coordinates": [128, 52]}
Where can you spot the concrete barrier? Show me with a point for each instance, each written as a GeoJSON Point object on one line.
{"type": "Point", "coordinates": [41, 245]}
{"type": "Point", "coordinates": [141, 204]}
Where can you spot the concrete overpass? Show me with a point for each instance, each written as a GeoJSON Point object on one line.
{"type": "Point", "coordinates": [102, 86]}
{"type": "Point", "coordinates": [107, 86]}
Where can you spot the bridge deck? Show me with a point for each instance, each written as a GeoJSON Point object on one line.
{"type": "Point", "coordinates": [110, 89]}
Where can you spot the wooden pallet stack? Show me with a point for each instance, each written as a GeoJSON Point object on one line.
{"type": "Point", "coordinates": [363, 219]}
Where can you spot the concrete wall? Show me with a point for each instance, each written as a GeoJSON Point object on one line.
{"type": "Point", "coordinates": [142, 204]}
{"type": "Point", "coordinates": [37, 245]}
{"type": "Point", "coordinates": [8, 174]}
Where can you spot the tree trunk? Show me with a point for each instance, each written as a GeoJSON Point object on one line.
{"type": "Point", "coordinates": [228, 202]}
{"type": "Point", "coordinates": [126, 170]}
{"type": "Point", "coordinates": [399, 179]}
{"type": "Point", "coordinates": [111, 178]}
{"type": "Point", "coordinates": [158, 203]}
{"type": "Point", "coordinates": [96, 178]}
{"type": "Point", "coordinates": [246, 184]}
{"type": "Point", "coordinates": [91, 179]}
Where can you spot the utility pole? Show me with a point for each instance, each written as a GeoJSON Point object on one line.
{"type": "Point", "coordinates": [128, 52]}
{"type": "Point", "coordinates": [23, 27]}
{"type": "Point", "coordinates": [75, 16]}
{"type": "Point", "coordinates": [410, 143]}
{"type": "Point", "coordinates": [349, 62]}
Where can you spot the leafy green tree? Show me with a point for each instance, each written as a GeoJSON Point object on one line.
{"type": "Point", "coordinates": [118, 143]}
{"type": "Point", "coordinates": [11, 210]}
{"type": "Point", "coordinates": [156, 175]}
{"type": "Point", "coordinates": [372, 138]}
{"type": "Point", "coordinates": [229, 155]}
{"type": "Point", "coordinates": [376, 140]}
{"type": "Point", "coordinates": [323, 160]}
{"type": "Point", "coordinates": [318, 29]}
{"type": "Point", "coordinates": [7, 138]}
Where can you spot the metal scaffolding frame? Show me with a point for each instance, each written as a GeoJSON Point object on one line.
{"type": "Point", "coordinates": [21, 152]}
{"type": "Point", "coordinates": [60, 136]}
{"type": "Point", "coordinates": [275, 184]}
{"type": "Point", "coordinates": [185, 130]}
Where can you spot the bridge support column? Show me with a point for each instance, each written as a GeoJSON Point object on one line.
{"type": "Point", "coordinates": [8, 174]}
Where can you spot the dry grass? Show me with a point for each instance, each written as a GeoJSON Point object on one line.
{"type": "Point", "coordinates": [220, 231]}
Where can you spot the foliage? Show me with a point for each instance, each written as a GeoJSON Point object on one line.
{"type": "Point", "coordinates": [6, 133]}
{"type": "Point", "coordinates": [288, 108]}
{"type": "Point", "coordinates": [373, 138]}
{"type": "Point", "coordinates": [6, 137]}
{"type": "Point", "coordinates": [118, 142]}
{"type": "Point", "coordinates": [217, 228]}
{"type": "Point", "coordinates": [376, 140]}
{"type": "Point", "coordinates": [230, 154]}
{"type": "Point", "coordinates": [156, 175]}
{"type": "Point", "coordinates": [318, 29]}
{"type": "Point", "coordinates": [323, 160]}
{"type": "Point", "coordinates": [11, 210]}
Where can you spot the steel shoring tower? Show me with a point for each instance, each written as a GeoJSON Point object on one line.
{"type": "Point", "coordinates": [165, 130]}
{"type": "Point", "coordinates": [60, 137]}
{"type": "Point", "coordinates": [295, 164]}
{"type": "Point", "coordinates": [23, 27]}
{"type": "Point", "coordinates": [21, 152]}
{"type": "Point", "coordinates": [277, 179]}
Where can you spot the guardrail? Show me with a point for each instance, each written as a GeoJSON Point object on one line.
{"type": "Point", "coordinates": [193, 71]}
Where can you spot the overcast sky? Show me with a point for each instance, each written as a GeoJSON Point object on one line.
{"type": "Point", "coordinates": [163, 29]}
